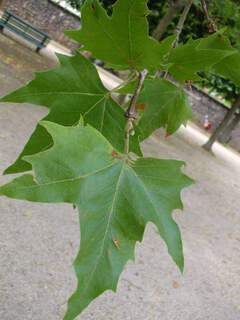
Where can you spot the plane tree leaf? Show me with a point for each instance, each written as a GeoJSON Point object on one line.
{"type": "Point", "coordinates": [71, 90]}
{"type": "Point", "coordinates": [165, 105]}
{"type": "Point", "coordinates": [116, 199]}
{"type": "Point", "coordinates": [198, 55]}
{"type": "Point", "coordinates": [229, 68]}
{"type": "Point", "coordinates": [122, 39]}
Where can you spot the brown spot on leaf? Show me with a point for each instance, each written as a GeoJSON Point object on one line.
{"type": "Point", "coordinates": [117, 243]}
{"type": "Point", "coordinates": [140, 106]}
{"type": "Point", "coordinates": [114, 154]}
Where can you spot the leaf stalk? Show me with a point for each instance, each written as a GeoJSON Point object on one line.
{"type": "Point", "coordinates": [131, 113]}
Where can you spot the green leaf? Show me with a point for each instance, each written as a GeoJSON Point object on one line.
{"type": "Point", "coordinates": [166, 105]}
{"type": "Point", "coordinates": [128, 88]}
{"type": "Point", "coordinates": [122, 39]}
{"type": "Point", "coordinates": [116, 199]}
{"type": "Point", "coordinates": [72, 89]}
{"type": "Point", "coordinates": [229, 68]}
{"type": "Point", "coordinates": [198, 55]}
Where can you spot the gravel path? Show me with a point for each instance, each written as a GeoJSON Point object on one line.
{"type": "Point", "coordinates": [39, 242]}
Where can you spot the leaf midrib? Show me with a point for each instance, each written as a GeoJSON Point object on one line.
{"type": "Point", "coordinates": [118, 47]}
{"type": "Point", "coordinates": [107, 227]}
{"type": "Point", "coordinates": [149, 197]}
{"type": "Point", "coordinates": [59, 92]}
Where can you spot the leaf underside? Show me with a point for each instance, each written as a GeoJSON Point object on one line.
{"type": "Point", "coordinates": [74, 89]}
{"type": "Point", "coordinates": [80, 169]}
{"type": "Point", "coordinates": [71, 90]}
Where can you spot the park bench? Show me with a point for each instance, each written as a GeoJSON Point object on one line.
{"type": "Point", "coordinates": [24, 29]}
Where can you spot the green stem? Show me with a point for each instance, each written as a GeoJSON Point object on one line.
{"type": "Point", "coordinates": [128, 129]}
{"type": "Point", "coordinates": [131, 113]}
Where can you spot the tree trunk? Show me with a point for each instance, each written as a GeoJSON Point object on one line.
{"type": "Point", "coordinates": [223, 125]}
{"type": "Point", "coordinates": [225, 137]}
{"type": "Point", "coordinates": [174, 7]}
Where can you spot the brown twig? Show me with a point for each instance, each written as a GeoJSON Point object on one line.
{"type": "Point", "coordinates": [181, 22]}
{"type": "Point", "coordinates": [131, 112]}
{"type": "Point", "coordinates": [180, 26]}
{"type": "Point", "coordinates": [212, 25]}
{"type": "Point", "coordinates": [174, 6]}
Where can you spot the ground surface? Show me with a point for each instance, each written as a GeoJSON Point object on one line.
{"type": "Point", "coordinates": [39, 242]}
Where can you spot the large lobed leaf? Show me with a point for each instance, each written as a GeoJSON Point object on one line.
{"type": "Point", "coordinates": [121, 40]}
{"type": "Point", "coordinates": [198, 55]}
{"type": "Point", "coordinates": [80, 168]}
{"type": "Point", "coordinates": [71, 90]}
{"type": "Point", "coordinates": [229, 68]}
